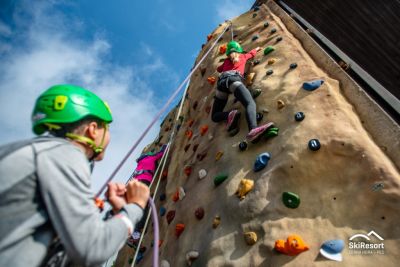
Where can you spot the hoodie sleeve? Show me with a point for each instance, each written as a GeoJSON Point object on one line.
{"type": "Point", "coordinates": [250, 54]}
{"type": "Point", "coordinates": [64, 179]}
{"type": "Point", "coordinates": [221, 67]}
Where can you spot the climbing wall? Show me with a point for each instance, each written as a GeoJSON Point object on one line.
{"type": "Point", "coordinates": [215, 209]}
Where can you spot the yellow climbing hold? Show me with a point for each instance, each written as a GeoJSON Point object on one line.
{"type": "Point", "coordinates": [250, 78]}
{"type": "Point", "coordinates": [216, 222]}
{"type": "Point", "coordinates": [245, 186]}
{"type": "Point", "coordinates": [280, 104]}
{"type": "Point", "coordinates": [271, 61]}
{"type": "Point", "coordinates": [218, 155]}
{"type": "Point", "coordinates": [250, 237]}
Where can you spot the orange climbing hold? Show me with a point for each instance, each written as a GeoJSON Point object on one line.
{"type": "Point", "coordinates": [209, 37]}
{"type": "Point", "coordinates": [175, 197]}
{"type": "Point", "coordinates": [218, 155]}
{"type": "Point", "coordinates": [293, 246]}
{"type": "Point", "coordinates": [179, 228]}
{"type": "Point", "coordinates": [189, 134]}
{"type": "Point", "coordinates": [212, 80]}
{"type": "Point", "coordinates": [222, 49]}
{"type": "Point", "coordinates": [203, 130]}
{"type": "Point", "coordinates": [99, 203]}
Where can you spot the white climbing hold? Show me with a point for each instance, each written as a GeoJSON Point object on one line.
{"type": "Point", "coordinates": [164, 263]}
{"type": "Point", "coordinates": [210, 137]}
{"type": "Point", "coordinates": [202, 173]}
{"type": "Point", "coordinates": [181, 193]}
{"type": "Point", "coordinates": [191, 256]}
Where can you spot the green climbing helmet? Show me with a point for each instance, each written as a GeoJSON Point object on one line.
{"type": "Point", "coordinates": [67, 104]}
{"type": "Point", "coordinates": [233, 47]}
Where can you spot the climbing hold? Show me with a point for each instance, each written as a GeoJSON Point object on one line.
{"type": "Point", "coordinates": [190, 122]}
{"type": "Point", "coordinates": [162, 211]}
{"type": "Point", "coordinates": [259, 116]}
{"type": "Point", "coordinates": [222, 49]}
{"type": "Point", "coordinates": [99, 203]}
{"type": "Point", "coordinates": [188, 170]}
{"type": "Point", "coordinates": [186, 148]}
{"type": "Point", "coordinates": [165, 263]}
{"type": "Point", "coordinates": [299, 116]}
{"type": "Point", "coordinates": [179, 228]}
{"type": "Point", "coordinates": [203, 70]}
{"type": "Point", "coordinates": [189, 134]}
{"type": "Point", "coordinates": [170, 216]}
{"type": "Point", "coordinates": [293, 246]}
{"type": "Point", "coordinates": [332, 249]}
{"type": "Point", "coordinates": [255, 37]}
{"type": "Point", "coordinates": [191, 256]}
{"type": "Point", "coordinates": [216, 221]}
{"type": "Point", "coordinates": [160, 242]}
{"type": "Point", "coordinates": [175, 196]}
{"type": "Point", "coordinates": [273, 30]}
{"type": "Point", "coordinates": [261, 161]}
{"type": "Point", "coordinates": [293, 65]}
{"type": "Point", "coordinates": [181, 193]}
{"type": "Point", "coordinates": [199, 213]}
{"type": "Point", "coordinates": [218, 155]}
{"type": "Point", "coordinates": [208, 109]}
{"type": "Point", "coordinates": [249, 78]}
{"type": "Point", "coordinates": [163, 196]}
{"type": "Point", "coordinates": [291, 200]}
{"type": "Point", "coordinates": [202, 173]}
{"type": "Point", "coordinates": [203, 130]}
{"type": "Point", "coordinates": [378, 187]}
{"type": "Point", "coordinates": [250, 238]}
{"type": "Point", "coordinates": [195, 104]}
{"type": "Point", "coordinates": [268, 50]}
{"type": "Point", "coordinates": [256, 62]}
{"type": "Point", "coordinates": [245, 186]}
{"type": "Point", "coordinates": [266, 24]}
{"type": "Point", "coordinates": [209, 37]}
{"type": "Point", "coordinates": [142, 249]}
{"type": "Point", "coordinates": [255, 92]}
{"type": "Point", "coordinates": [269, 72]}
{"type": "Point", "coordinates": [280, 104]}
{"type": "Point", "coordinates": [139, 257]}
{"type": "Point", "coordinates": [254, 15]}
{"type": "Point", "coordinates": [312, 85]}
{"type": "Point", "coordinates": [178, 127]}
{"type": "Point", "coordinates": [219, 179]}
{"type": "Point", "coordinates": [271, 61]}
{"type": "Point", "coordinates": [271, 132]}
{"type": "Point", "coordinates": [195, 147]}
{"type": "Point", "coordinates": [279, 39]}
{"type": "Point", "coordinates": [314, 144]}
{"type": "Point", "coordinates": [210, 137]}
{"type": "Point", "coordinates": [201, 156]}
{"type": "Point", "coordinates": [243, 146]}
{"type": "Point", "coordinates": [212, 80]}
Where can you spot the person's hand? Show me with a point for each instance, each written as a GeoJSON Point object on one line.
{"type": "Point", "coordinates": [137, 192]}
{"type": "Point", "coordinates": [258, 48]}
{"type": "Point", "coordinates": [116, 196]}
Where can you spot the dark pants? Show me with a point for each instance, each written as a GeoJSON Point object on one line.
{"type": "Point", "coordinates": [233, 84]}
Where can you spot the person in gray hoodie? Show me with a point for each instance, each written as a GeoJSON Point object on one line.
{"type": "Point", "coordinates": [45, 192]}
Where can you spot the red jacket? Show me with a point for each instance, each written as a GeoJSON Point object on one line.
{"type": "Point", "coordinates": [228, 65]}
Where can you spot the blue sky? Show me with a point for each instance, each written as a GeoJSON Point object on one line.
{"type": "Point", "coordinates": [131, 53]}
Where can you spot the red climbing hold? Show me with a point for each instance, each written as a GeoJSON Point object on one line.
{"type": "Point", "coordinates": [175, 196]}
{"type": "Point", "coordinates": [179, 228]}
{"type": "Point", "coordinates": [203, 130]}
{"type": "Point", "coordinates": [189, 134]}
{"type": "Point", "coordinates": [199, 213]}
{"type": "Point", "coordinates": [222, 49]}
{"type": "Point", "coordinates": [170, 216]}
{"type": "Point", "coordinates": [209, 37]}
{"type": "Point", "coordinates": [164, 174]}
{"type": "Point", "coordinates": [190, 122]}
{"type": "Point", "coordinates": [212, 80]}
{"type": "Point", "coordinates": [188, 170]}
{"type": "Point", "coordinates": [99, 203]}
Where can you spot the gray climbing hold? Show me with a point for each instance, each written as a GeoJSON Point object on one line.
{"type": "Point", "coordinates": [269, 72]}
{"type": "Point", "coordinates": [266, 24]}
{"type": "Point", "coordinates": [165, 263]}
{"type": "Point", "coordinates": [191, 256]}
{"type": "Point", "coordinates": [378, 187]}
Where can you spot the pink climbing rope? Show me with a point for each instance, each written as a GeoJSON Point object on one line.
{"type": "Point", "coordinates": [162, 110]}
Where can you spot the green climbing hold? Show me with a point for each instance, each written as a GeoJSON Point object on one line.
{"type": "Point", "coordinates": [219, 179]}
{"type": "Point", "coordinates": [291, 200]}
{"type": "Point", "coordinates": [268, 50]}
{"type": "Point", "coordinates": [271, 132]}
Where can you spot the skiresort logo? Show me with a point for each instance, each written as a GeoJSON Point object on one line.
{"type": "Point", "coordinates": [360, 244]}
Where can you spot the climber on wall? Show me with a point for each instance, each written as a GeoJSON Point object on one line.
{"type": "Point", "coordinates": [46, 185]}
{"type": "Point", "coordinates": [231, 81]}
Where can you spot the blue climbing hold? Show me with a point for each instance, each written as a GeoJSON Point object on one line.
{"type": "Point", "coordinates": [139, 257]}
{"type": "Point", "coordinates": [259, 116]}
{"type": "Point", "coordinates": [163, 197]}
{"type": "Point", "coordinates": [261, 161]}
{"type": "Point", "coordinates": [332, 249]}
{"type": "Point", "coordinates": [162, 211]}
{"type": "Point", "coordinates": [243, 146]}
{"type": "Point", "coordinates": [314, 144]}
{"type": "Point", "coordinates": [255, 37]}
{"type": "Point", "coordinates": [312, 85]}
{"type": "Point", "coordinates": [293, 66]}
{"type": "Point", "coordinates": [178, 127]}
{"type": "Point", "coordinates": [299, 116]}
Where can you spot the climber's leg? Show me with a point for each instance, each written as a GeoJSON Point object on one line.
{"type": "Point", "coordinates": [243, 95]}
{"type": "Point", "coordinates": [217, 113]}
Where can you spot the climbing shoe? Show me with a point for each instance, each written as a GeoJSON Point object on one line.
{"type": "Point", "coordinates": [233, 119]}
{"type": "Point", "coordinates": [257, 132]}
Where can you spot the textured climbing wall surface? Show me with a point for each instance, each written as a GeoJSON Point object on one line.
{"type": "Point", "coordinates": [349, 186]}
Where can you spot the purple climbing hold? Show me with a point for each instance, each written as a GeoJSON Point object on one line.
{"type": "Point", "coordinates": [259, 116]}
{"type": "Point", "coordinates": [261, 161]}
{"type": "Point", "coordinates": [312, 85]}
